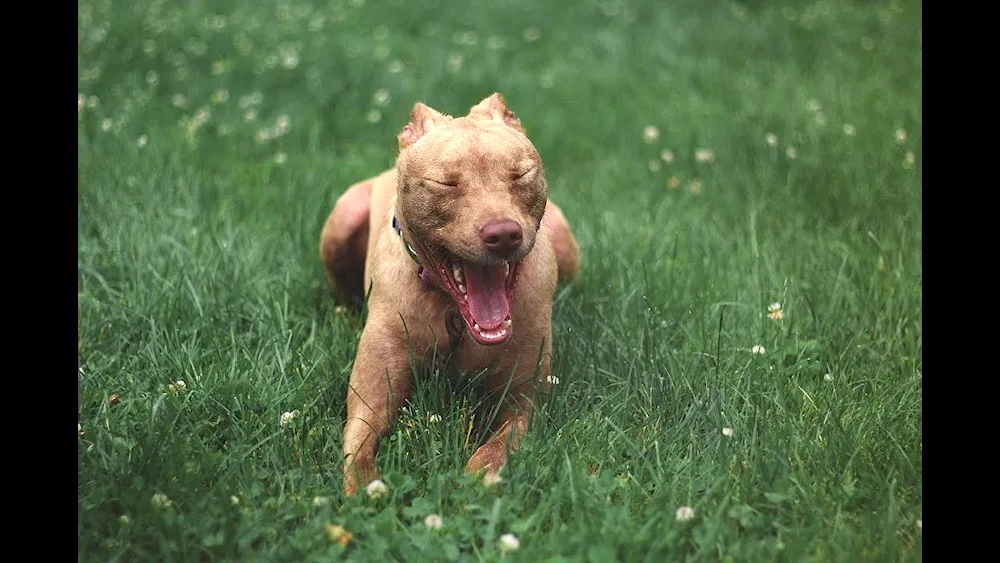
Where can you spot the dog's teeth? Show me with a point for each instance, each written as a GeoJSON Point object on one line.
{"type": "Point", "coordinates": [507, 323]}
{"type": "Point", "coordinates": [461, 287]}
{"type": "Point", "coordinates": [506, 268]}
{"type": "Point", "coordinates": [456, 273]}
{"type": "Point", "coordinates": [476, 326]}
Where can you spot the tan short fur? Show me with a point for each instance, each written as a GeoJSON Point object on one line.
{"type": "Point", "coordinates": [452, 177]}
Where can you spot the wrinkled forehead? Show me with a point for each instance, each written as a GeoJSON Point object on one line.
{"type": "Point", "coordinates": [468, 142]}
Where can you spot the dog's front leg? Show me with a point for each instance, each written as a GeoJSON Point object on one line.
{"type": "Point", "coordinates": [380, 382]}
{"type": "Point", "coordinates": [517, 385]}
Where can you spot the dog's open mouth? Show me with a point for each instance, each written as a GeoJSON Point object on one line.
{"type": "Point", "coordinates": [483, 293]}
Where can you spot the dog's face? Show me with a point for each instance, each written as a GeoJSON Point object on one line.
{"type": "Point", "coordinates": [471, 197]}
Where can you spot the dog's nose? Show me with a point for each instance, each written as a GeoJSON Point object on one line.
{"type": "Point", "coordinates": [502, 237]}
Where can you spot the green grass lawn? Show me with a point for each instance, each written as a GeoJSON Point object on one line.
{"type": "Point", "coordinates": [713, 158]}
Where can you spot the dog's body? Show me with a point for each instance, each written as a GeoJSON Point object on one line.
{"type": "Point", "coordinates": [462, 251]}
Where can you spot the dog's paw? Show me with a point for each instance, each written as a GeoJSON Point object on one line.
{"type": "Point", "coordinates": [358, 472]}
{"type": "Point", "coordinates": [490, 457]}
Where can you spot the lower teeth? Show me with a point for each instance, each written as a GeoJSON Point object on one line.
{"type": "Point", "coordinates": [496, 331]}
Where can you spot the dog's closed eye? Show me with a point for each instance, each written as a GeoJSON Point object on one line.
{"type": "Point", "coordinates": [450, 182]}
{"type": "Point", "coordinates": [516, 175]}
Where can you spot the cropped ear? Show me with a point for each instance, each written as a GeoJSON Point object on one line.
{"type": "Point", "coordinates": [423, 119]}
{"type": "Point", "coordinates": [495, 108]}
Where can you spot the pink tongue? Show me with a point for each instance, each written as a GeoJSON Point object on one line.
{"type": "Point", "coordinates": [486, 294]}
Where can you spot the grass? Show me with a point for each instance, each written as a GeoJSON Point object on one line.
{"type": "Point", "coordinates": [214, 138]}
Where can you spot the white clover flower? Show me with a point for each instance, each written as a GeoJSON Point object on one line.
{"type": "Point", "coordinates": [235, 500]}
{"type": "Point", "coordinates": [684, 513]}
{"type": "Point", "coordinates": [704, 155]}
{"type": "Point", "coordinates": [650, 134]}
{"type": "Point", "coordinates": [201, 117]}
{"type": "Point", "coordinates": [812, 106]}
{"type": "Point", "coordinates": [667, 156]}
{"type": "Point", "coordinates": [288, 417]}
{"type": "Point", "coordinates": [492, 479]}
{"type": "Point", "coordinates": [282, 125]}
{"type": "Point", "coordinates": [465, 38]}
{"type": "Point", "coordinates": [161, 500]}
{"type": "Point", "coordinates": [105, 124]}
{"type": "Point", "coordinates": [792, 153]}
{"type": "Point", "coordinates": [377, 489]}
{"type": "Point", "coordinates": [553, 380]}
{"type": "Point", "coordinates": [79, 429]}
{"type": "Point", "coordinates": [338, 534]}
{"type": "Point", "coordinates": [909, 160]}
{"type": "Point", "coordinates": [775, 312]}
{"type": "Point", "coordinates": [143, 139]}
{"type": "Point", "coordinates": [828, 377]}
{"type": "Point", "coordinates": [248, 101]}
{"type": "Point", "coordinates": [381, 97]}
{"type": "Point", "coordinates": [374, 116]}
{"type": "Point", "coordinates": [433, 522]}
{"type": "Point", "coordinates": [320, 501]}
{"type": "Point", "coordinates": [654, 165]}
{"type": "Point", "coordinates": [509, 542]}
{"type": "Point", "coordinates": [900, 136]}
{"type": "Point", "coordinates": [849, 130]}
{"type": "Point", "coordinates": [757, 349]}
{"type": "Point", "coordinates": [771, 139]}
{"type": "Point", "coordinates": [290, 59]}
{"type": "Point", "coordinates": [727, 432]}
{"type": "Point", "coordinates": [280, 158]}
{"type": "Point", "coordinates": [434, 418]}
{"type": "Point", "coordinates": [177, 387]}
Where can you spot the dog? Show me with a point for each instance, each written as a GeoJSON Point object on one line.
{"type": "Point", "coordinates": [456, 249]}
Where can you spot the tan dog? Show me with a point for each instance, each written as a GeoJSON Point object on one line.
{"type": "Point", "coordinates": [461, 252]}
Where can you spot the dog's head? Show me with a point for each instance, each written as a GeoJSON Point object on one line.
{"type": "Point", "coordinates": [471, 197]}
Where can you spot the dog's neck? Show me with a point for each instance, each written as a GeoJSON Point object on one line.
{"type": "Point", "coordinates": [454, 326]}
{"type": "Point", "coordinates": [409, 249]}
{"type": "Point", "coordinates": [424, 273]}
